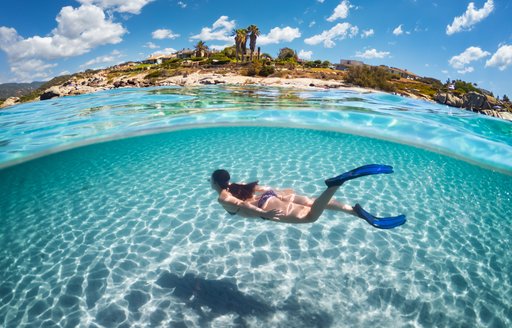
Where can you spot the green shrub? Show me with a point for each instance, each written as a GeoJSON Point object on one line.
{"type": "Point", "coordinates": [266, 70]}
{"type": "Point", "coordinates": [171, 63]}
{"type": "Point", "coordinates": [370, 77]}
{"type": "Point", "coordinates": [465, 87]}
{"type": "Point", "coordinates": [157, 74]}
{"type": "Point", "coordinates": [219, 59]}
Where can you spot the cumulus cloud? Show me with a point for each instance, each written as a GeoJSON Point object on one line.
{"type": "Point", "coordinates": [122, 6]}
{"type": "Point", "coordinates": [340, 12]}
{"type": "Point", "coordinates": [161, 34]}
{"type": "Point", "coordinates": [220, 30]}
{"type": "Point", "coordinates": [470, 17]}
{"type": "Point", "coordinates": [182, 4]}
{"type": "Point", "coordinates": [367, 33]}
{"type": "Point", "coordinates": [321, 1]}
{"type": "Point", "coordinates": [78, 31]}
{"type": "Point", "coordinates": [305, 54]}
{"type": "Point", "coordinates": [502, 58]}
{"type": "Point", "coordinates": [106, 59]}
{"type": "Point", "coordinates": [469, 55]}
{"type": "Point", "coordinates": [372, 53]}
{"type": "Point", "coordinates": [277, 35]}
{"type": "Point", "coordinates": [339, 31]}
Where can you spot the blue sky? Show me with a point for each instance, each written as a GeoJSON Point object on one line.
{"type": "Point", "coordinates": [454, 39]}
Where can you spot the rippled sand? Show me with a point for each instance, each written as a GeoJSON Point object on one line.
{"type": "Point", "coordinates": [128, 233]}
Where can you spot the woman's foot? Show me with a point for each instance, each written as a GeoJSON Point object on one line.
{"type": "Point", "coordinates": [359, 172]}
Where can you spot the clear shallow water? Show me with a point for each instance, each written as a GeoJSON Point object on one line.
{"type": "Point", "coordinates": [33, 129]}
{"type": "Point", "coordinates": [128, 232]}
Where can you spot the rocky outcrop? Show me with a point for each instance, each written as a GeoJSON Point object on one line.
{"type": "Point", "coordinates": [9, 102]}
{"type": "Point", "coordinates": [473, 100]}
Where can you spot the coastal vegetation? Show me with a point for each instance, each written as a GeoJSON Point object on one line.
{"type": "Point", "coordinates": [370, 77]}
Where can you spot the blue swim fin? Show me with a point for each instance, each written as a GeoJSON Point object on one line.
{"type": "Point", "coordinates": [359, 172]}
{"type": "Point", "coordinates": [381, 223]}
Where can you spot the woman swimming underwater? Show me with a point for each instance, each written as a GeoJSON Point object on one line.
{"type": "Point", "coordinates": [252, 200]}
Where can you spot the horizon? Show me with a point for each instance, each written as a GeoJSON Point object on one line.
{"type": "Point", "coordinates": [469, 41]}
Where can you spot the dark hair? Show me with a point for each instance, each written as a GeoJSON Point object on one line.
{"type": "Point", "coordinates": [240, 191]}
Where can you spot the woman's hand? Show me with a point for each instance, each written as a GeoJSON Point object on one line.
{"type": "Point", "coordinates": [271, 214]}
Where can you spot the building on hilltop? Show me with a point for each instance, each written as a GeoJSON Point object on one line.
{"type": "Point", "coordinates": [345, 64]}
{"type": "Point", "coordinates": [185, 53]}
{"type": "Point", "coordinates": [158, 58]}
{"type": "Point", "coordinates": [403, 73]}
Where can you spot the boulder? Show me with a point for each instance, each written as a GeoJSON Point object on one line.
{"type": "Point", "coordinates": [51, 93]}
{"type": "Point", "coordinates": [449, 99]}
{"type": "Point", "coordinates": [473, 100]}
{"type": "Point", "coordinates": [453, 100]}
{"type": "Point", "coordinates": [440, 98]}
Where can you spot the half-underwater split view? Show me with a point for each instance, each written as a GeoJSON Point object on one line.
{"type": "Point", "coordinates": [275, 164]}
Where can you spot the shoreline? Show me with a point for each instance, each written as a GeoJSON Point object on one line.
{"type": "Point", "coordinates": [100, 81]}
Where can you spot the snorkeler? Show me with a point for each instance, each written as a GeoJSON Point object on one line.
{"type": "Point", "coordinates": [253, 200]}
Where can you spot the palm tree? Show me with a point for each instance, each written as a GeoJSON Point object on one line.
{"type": "Point", "coordinates": [255, 32]}
{"type": "Point", "coordinates": [240, 42]}
{"type": "Point", "coordinates": [201, 48]}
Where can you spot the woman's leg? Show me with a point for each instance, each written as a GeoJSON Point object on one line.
{"type": "Point", "coordinates": [321, 203]}
{"type": "Point", "coordinates": [332, 205]}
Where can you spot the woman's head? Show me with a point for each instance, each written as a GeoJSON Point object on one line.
{"type": "Point", "coordinates": [221, 178]}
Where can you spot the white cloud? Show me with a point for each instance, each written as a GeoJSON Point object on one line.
{"type": "Point", "coordinates": [122, 6]}
{"type": "Point", "coordinates": [277, 34]}
{"type": "Point", "coordinates": [444, 72]}
{"type": "Point", "coordinates": [470, 17]}
{"type": "Point", "coordinates": [469, 55]}
{"type": "Point", "coordinates": [305, 54]}
{"type": "Point", "coordinates": [466, 70]}
{"type": "Point", "coordinates": [151, 45]}
{"type": "Point", "coordinates": [339, 31]}
{"type": "Point", "coordinates": [372, 53]}
{"type": "Point", "coordinates": [312, 24]}
{"type": "Point", "coordinates": [367, 33]}
{"type": "Point", "coordinates": [398, 30]}
{"type": "Point", "coordinates": [166, 51]}
{"type": "Point", "coordinates": [78, 31]}
{"type": "Point", "coordinates": [110, 58]}
{"type": "Point", "coordinates": [220, 30]}
{"type": "Point", "coordinates": [32, 70]}
{"type": "Point", "coordinates": [182, 4]}
{"type": "Point", "coordinates": [502, 58]}
{"type": "Point", "coordinates": [341, 11]}
{"type": "Point", "coordinates": [161, 34]}
{"type": "Point", "coordinates": [220, 46]}
{"type": "Point", "coordinates": [321, 1]}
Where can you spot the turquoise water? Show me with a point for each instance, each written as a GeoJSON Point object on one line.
{"type": "Point", "coordinates": [128, 233]}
